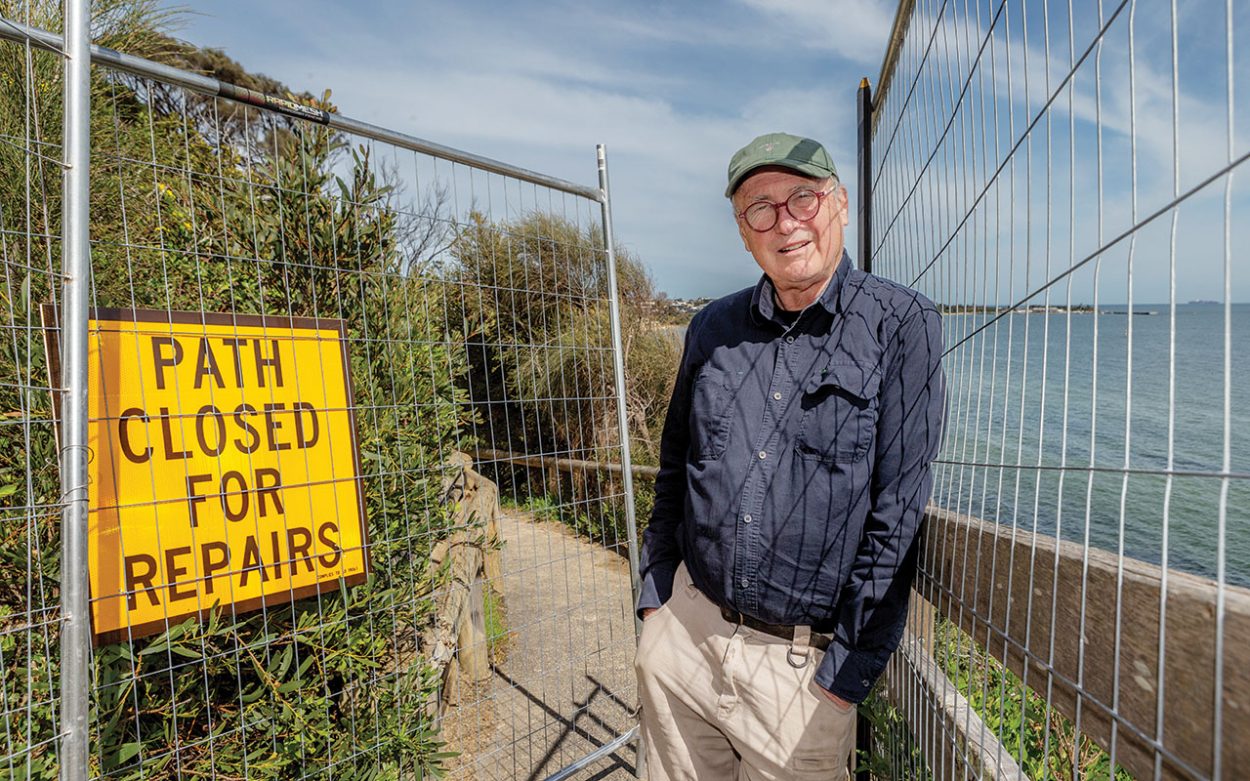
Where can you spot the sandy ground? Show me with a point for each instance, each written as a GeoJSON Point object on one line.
{"type": "Point", "coordinates": [563, 680]}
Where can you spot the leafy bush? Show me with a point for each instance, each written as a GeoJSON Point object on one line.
{"type": "Point", "coordinates": [261, 215]}
{"type": "Point", "coordinates": [541, 362]}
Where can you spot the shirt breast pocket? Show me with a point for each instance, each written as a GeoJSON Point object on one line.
{"type": "Point", "coordinates": [839, 413]}
{"type": "Point", "coordinates": [709, 413]}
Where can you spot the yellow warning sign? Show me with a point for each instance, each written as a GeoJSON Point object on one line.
{"type": "Point", "coordinates": [224, 465]}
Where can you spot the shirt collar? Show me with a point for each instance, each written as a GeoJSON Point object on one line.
{"type": "Point", "coordinates": [764, 302]}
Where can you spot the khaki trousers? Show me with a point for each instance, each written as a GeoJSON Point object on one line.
{"type": "Point", "coordinates": [723, 702]}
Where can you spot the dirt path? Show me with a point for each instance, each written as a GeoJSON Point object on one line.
{"type": "Point", "coordinates": [564, 686]}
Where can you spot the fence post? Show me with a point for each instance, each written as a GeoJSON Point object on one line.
{"type": "Point", "coordinates": [863, 725]}
{"type": "Point", "coordinates": [75, 271]}
{"type": "Point", "coordinates": [622, 415]}
{"type": "Point", "coordinates": [618, 363]}
{"type": "Point", "coordinates": [864, 194]}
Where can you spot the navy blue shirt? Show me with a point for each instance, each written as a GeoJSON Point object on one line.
{"type": "Point", "coordinates": [794, 465]}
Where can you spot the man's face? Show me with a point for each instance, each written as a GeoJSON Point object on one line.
{"type": "Point", "coordinates": [797, 256]}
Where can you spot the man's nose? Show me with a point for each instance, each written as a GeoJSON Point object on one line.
{"type": "Point", "coordinates": [785, 221]}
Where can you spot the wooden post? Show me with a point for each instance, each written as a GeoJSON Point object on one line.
{"type": "Point", "coordinates": [474, 653]}
{"type": "Point", "coordinates": [471, 558]}
{"type": "Point", "coordinates": [920, 621]}
{"type": "Point", "coordinates": [553, 483]}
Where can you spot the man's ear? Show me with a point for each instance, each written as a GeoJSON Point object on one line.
{"type": "Point", "coordinates": [845, 203]}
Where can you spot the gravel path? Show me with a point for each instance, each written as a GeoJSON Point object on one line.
{"type": "Point", "coordinates": [563, 680]}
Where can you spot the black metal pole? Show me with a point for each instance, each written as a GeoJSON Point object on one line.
{"type": "Point", "coordinates": [863, 725]}
{"type": "Point", "coordinates": [864, 190]}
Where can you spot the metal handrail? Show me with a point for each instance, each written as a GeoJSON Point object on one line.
{"type": "Point", "coordinates": [562, 464]}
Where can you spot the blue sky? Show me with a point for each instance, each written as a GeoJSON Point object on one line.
{"type": "Point", "coordinates": [1108, 152]}
{"type": "Point", "coordinates": [672, 89]}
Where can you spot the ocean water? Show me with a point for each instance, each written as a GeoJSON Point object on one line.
{"type": "Point", "coordinates": [1049, 429]}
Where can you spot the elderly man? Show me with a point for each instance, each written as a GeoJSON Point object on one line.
{"type": "Point", "coordinates": [794, 472]}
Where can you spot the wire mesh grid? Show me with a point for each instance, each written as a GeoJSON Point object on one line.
{"type": "Point", "coordinates": [30, 501]}
{"type": "Point", "coordinates": [336, 385]}
{"type": "Point", "coordinates": [1062, 179]}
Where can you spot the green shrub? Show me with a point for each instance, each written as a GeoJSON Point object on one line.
{"type": "Point", "coordinates": [1037, 736]}
{"type": "Point", "coordinates": [540, 352]}
{"type": "Point", "coordinates": [265, 217]}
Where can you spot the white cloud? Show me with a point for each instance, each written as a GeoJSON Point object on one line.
{"type": "Point", "coordinates": [672, 89]}
{"type": "Point", "coordinates": [856, 29]}
{"type": "Point", "coordinates": [997, 110]}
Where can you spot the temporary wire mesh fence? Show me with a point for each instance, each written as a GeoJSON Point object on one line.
{"type": "Point", "coordinates": [30, 154]}
{"type": "Point", "coordinates": [323, 369]}
{"type": "Point", "coordinates": [1062, 180]}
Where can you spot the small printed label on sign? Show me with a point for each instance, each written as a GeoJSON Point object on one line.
{"type": "Point", "coordinates": [224, 465]}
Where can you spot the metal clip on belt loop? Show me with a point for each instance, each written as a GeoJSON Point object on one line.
{"type": "Point", "coordinates": [800, 650]}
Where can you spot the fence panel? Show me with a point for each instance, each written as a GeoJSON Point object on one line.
{"type": "Point", "coordinates": [30, 497]}
{"type": "Point", "coordinates": [1062, 180]}
{"type": "Point", "coordinates": [317, 348]}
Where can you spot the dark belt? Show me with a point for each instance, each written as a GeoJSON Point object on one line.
{"type": "Point", "coordinates": [784, 631]}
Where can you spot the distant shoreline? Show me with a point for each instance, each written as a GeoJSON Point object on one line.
{"type": "Point", "coordinates": [1076, 309]}
{"type": "Point", "coordinates": [1037, 310]}
{"type": "Point", "coordinates": [665, 311]}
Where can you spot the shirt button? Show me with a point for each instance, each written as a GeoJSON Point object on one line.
{"type": "Point", "coordinates": [763, 454]}
{"type": "Point", "coordinates": [777, 395]}
{"type": "Point", "coordinates": [744, 582]}
{"type": "Point", "coordinates": [789, 339]}
{"type": "Point", "coordinates": [746, 519]}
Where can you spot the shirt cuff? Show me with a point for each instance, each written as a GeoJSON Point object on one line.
{"type": "Point", "coordinates": [849, 673]}
{"type": "Point", "coordinates": [657, 586]}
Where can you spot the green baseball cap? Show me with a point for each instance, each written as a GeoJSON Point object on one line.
{"type": "Point", "coordinates": [799, 154]}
